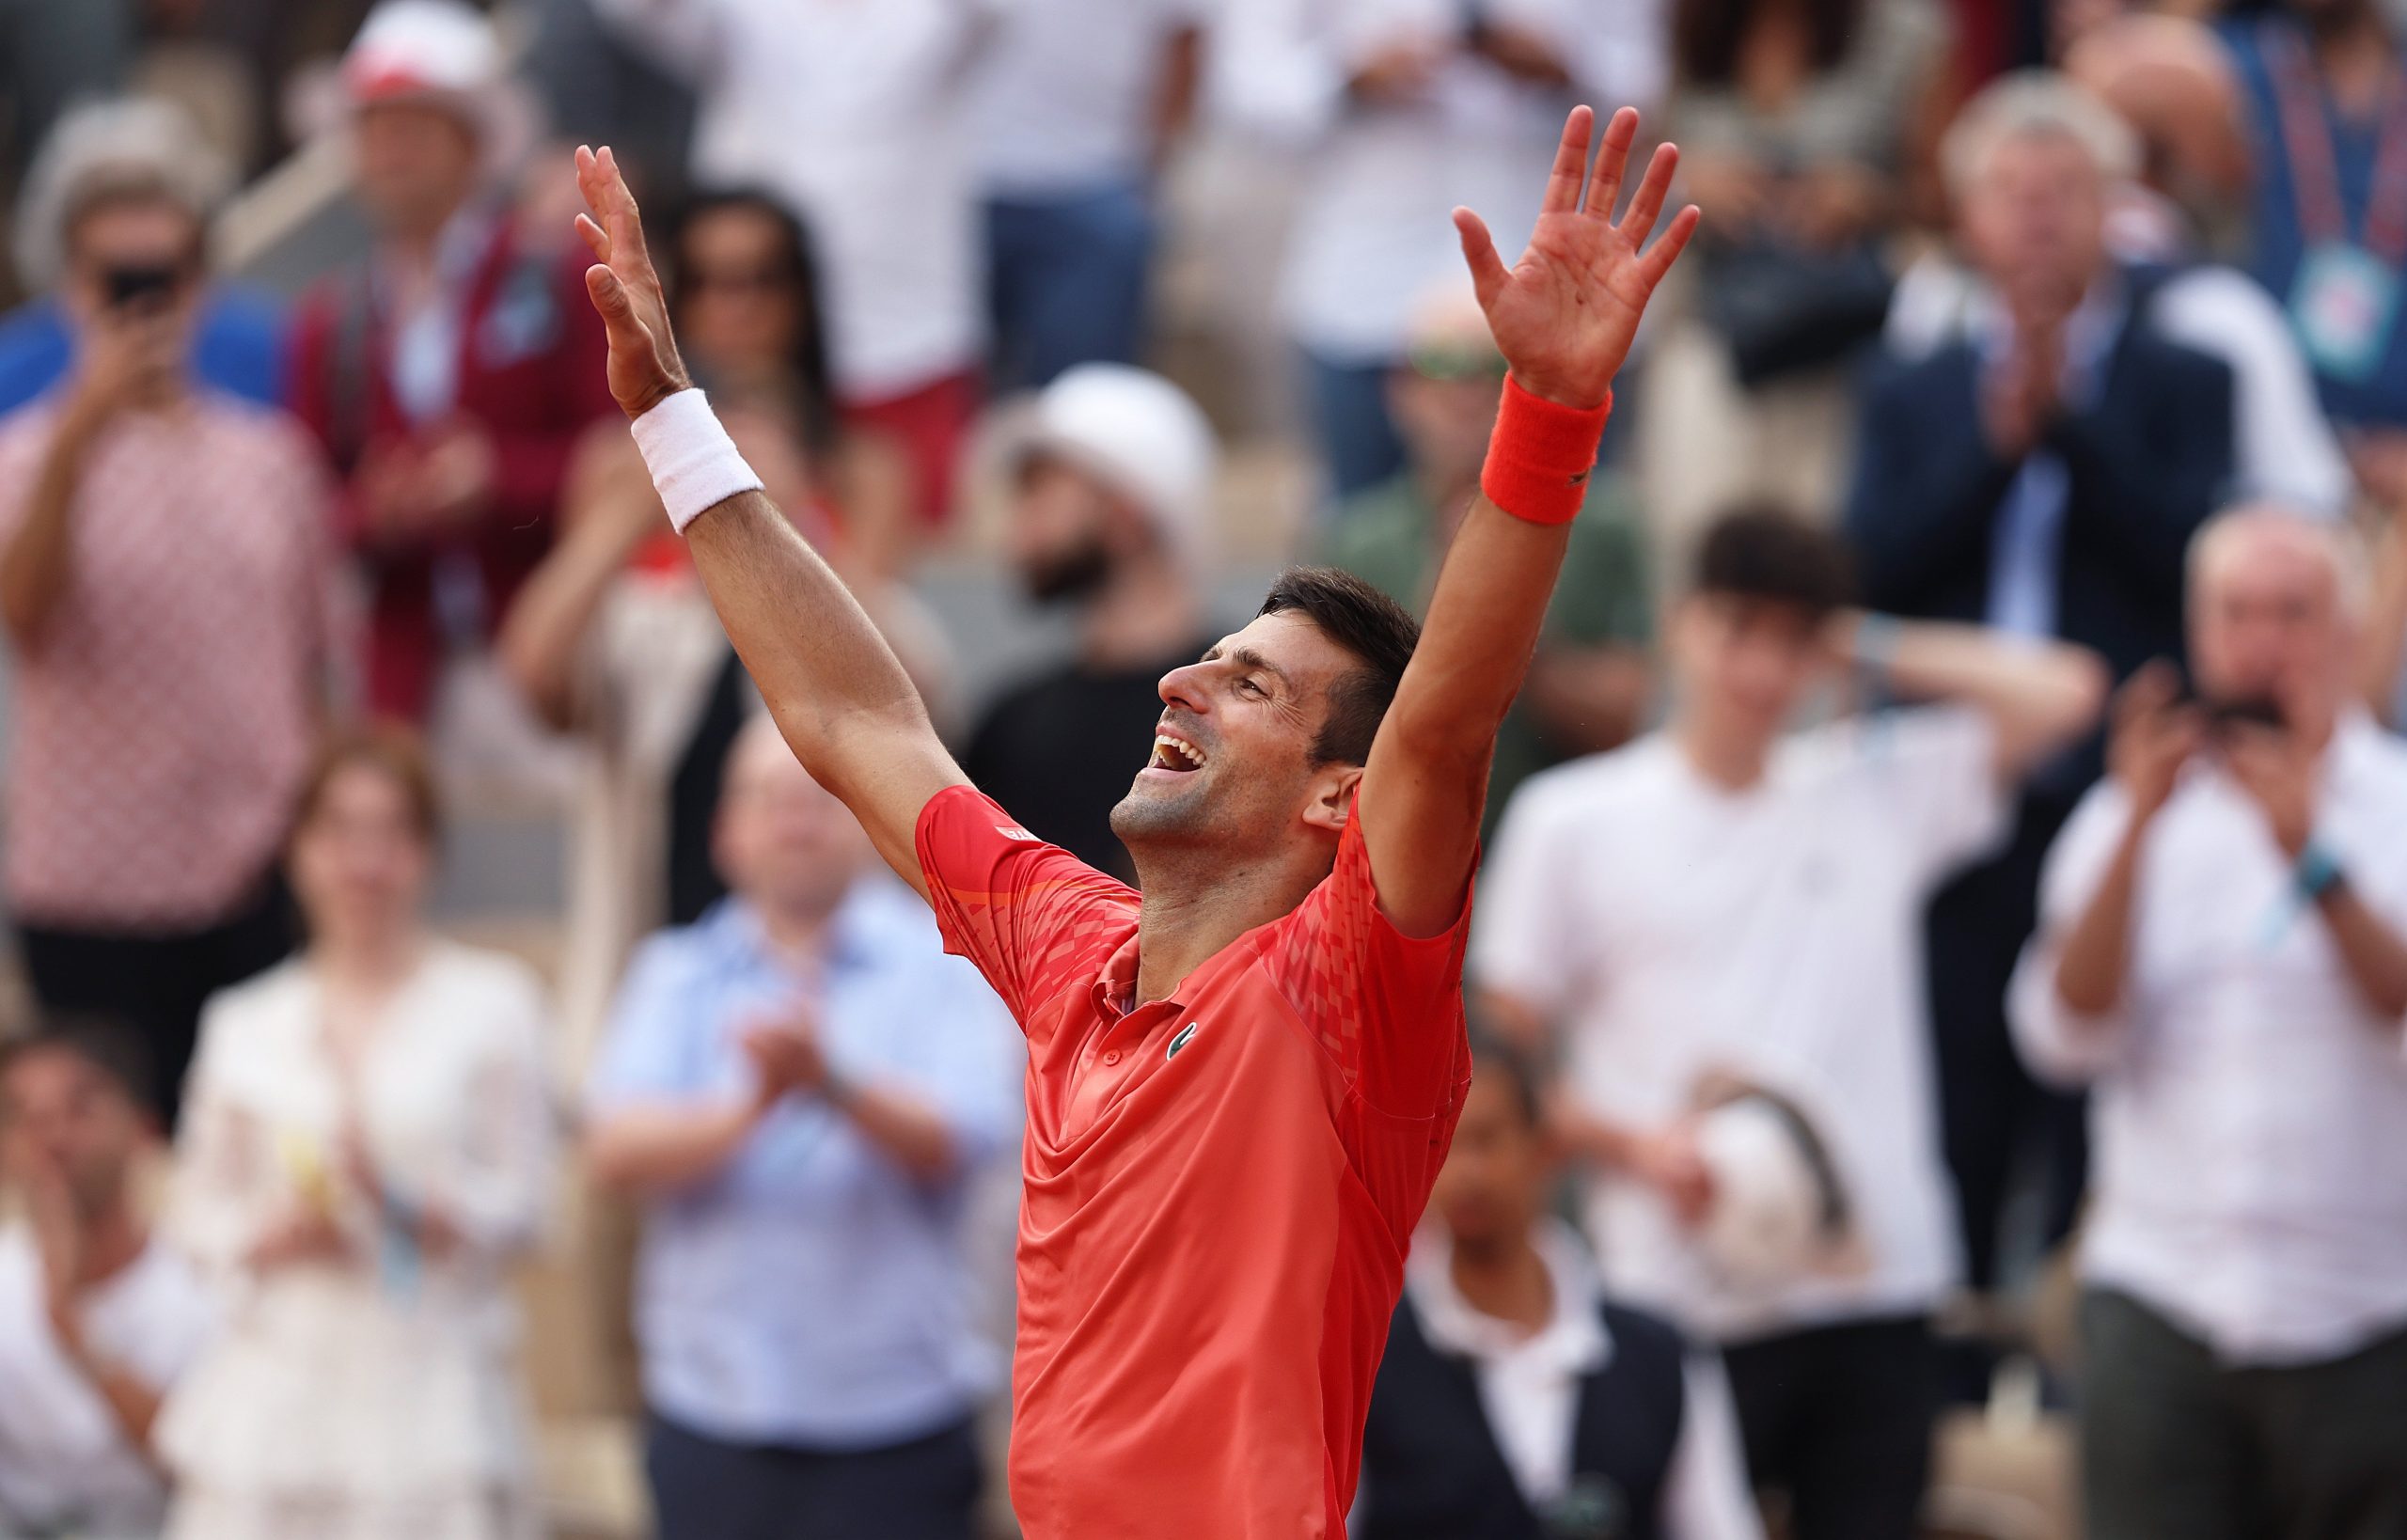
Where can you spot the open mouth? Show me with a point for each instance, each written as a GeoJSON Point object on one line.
{"type": "Point", "coordinates": [1175, 754]}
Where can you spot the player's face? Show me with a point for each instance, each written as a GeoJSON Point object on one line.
{"type": "Point", "coordinates": [1489, 1191]}
{"type": "Point", "coordinates": [1746, 663]}
{"type": "Point", "coordinates": [1232, 763]}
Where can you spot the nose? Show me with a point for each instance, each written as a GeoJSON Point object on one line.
{"type": "Point", "coordinates": [1184, 687]}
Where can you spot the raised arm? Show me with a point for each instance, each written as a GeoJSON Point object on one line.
{"type": "Point", "coordinates": [839, 693]}
{"type": "Point", "coordinates": [1564, 317]}
{"type": "Point", "coordinates": [2039, 696]}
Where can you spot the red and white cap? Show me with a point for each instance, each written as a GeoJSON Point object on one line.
{"type": "Point", "coordinates": [438, 51]}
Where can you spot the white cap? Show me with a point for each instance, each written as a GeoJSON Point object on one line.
{"type": "Point", "coordinates": [442, 54]}
{"type": "Point", "coordinates": [1767, 1226]}
{"type": "Point", "coordinates": [124, 143]}
{"type": "Point", "coordinates": [1138, 434]}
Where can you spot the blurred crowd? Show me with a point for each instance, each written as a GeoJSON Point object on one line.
{"type": "Point", "coordinates": [1940, 976]}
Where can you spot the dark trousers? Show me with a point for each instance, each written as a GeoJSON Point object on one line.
{"type": "Point", "coordinates": [1994, 1118]}
{"type": "Point", "coordinates": [1066, 281]}
{"type": "Point", "coordinates": [2175, 1446]}
{"type": "Point", "coordinates": [702, 1489]}
{"type": "Point", "coordinates": [1838, 1419]}
{"type": "Point", "coordinates": [155, 982]}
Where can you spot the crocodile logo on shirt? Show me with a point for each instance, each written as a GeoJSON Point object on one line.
{"type": "Point", "coordinates": [1186, 1035]}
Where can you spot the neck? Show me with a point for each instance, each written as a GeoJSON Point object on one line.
{"type": "Point", "coordinates": [112, 1239]}
{"type": "Point", "coordinates": [1729, 759]}
{"type": "Point", "coordinates": [1144, 612]}
{"type": "Point", "coordinates": [1192, 909]}
{"type": "Point", "coordinates": [369, 963]}
{"type": "Point", "coordinates": [796, 932]}
{"type": "Point", "coordinates": [1505, 1281]}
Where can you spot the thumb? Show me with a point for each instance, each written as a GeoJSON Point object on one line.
{"type": "Point", "coordinates": [611, 298]}
{"type": "Point", "coordinates": [1488, 272]}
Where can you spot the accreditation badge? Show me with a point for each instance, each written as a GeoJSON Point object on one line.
{"type": "Point", "coordinates": [2343, 307]}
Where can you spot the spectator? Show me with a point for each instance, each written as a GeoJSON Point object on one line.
{"type": "Point", "coordinates": [1406, 109]}
{"type": "Point", "coordinates": [2166, 74]}
{"type": "Point", "coordinates": [799, 1086]}
{"type": "Point", "coordinates": [1110, 511]}
{"type": "Point", "coordinates": [1076, 110]}
{"type": "Point", "coordinates": [613, 636]}
{"type": "Point", "coordinates": [96, 1320]}
{"type": "Point", "coordinates": [852, 116]}
{"type": "Point", "coordinates": [2221, 957]}
{"type": "Point", "coordinates": [1803, 129]}
{"type": "Point", "coordinates": [164, 579]}
{"type": "Point", "coordinates": [237, 336]}
{"type": "Point", "coordinates": [1721, 923]}
{"type": "Point", "coordinates": [369, 1151]}
{"type": "Point", "coordinates": [452, 373]}
{"type": "Point", "coordinates": [2325, 82]}
{"type": "Point", "coordinates": [1587, 686]}
{"type": "Point", "coordinates": [2044, 473]}
{"type": "Point", "coordinates": [1582, 1416]}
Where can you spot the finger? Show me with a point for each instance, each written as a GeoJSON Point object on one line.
{"type": "Point", "coordinates": [2147, 692]}
{"type": "Point", "coordinates": [1570, 165]}
{"type": "Point", "coordinates": [590, 181]}
{"type": "Point", "coordinates": [1653, 188]}
{"type": "Point", "coordinates": [1488, 272]}
{"type": "Point", "coordinates": [626, 220]}
{"type": "Point", "coordinates": [1604, 188]}
{"type": "Point", "coordinates": [1667, 251]}
{"type": "Point", "coordinates": [617, 311]}
{"type": "Point", "coordinates": [595, 240]}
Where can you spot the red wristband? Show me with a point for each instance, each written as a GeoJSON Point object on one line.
{"type": "Point", "coordinates": [1541, 455]}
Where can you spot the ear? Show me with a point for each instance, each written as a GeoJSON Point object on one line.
{"type": "Point", "coordinates": [1332, 800]}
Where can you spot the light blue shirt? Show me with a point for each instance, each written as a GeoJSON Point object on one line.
{"type": "Point", "coordinates": [813, 1294]}
{"type": "Point", "coordinates": [2027, 543]}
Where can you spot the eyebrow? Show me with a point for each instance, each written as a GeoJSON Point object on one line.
{"type": "Point", "coordinates": [1245, 657]}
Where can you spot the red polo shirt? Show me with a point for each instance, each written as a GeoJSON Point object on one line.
{"type": "Point", "coordinates": [1219, 1185]}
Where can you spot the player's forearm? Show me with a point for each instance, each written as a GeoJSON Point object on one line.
{"type": "Point", "coordinates": [2039, 696]}
{"type": "Point", "coordinates": [840, 695]}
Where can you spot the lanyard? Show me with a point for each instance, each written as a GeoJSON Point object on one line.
{"type": "Point", "coordinates": [2314, 173]}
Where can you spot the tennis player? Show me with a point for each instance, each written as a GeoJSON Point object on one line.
{"type": "Point", "coordinates": [1241, 1087]}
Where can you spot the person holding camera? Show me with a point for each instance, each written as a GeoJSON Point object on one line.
{"type": "Point", "coordinates": [2222, 958]}
{"type": "Point", "coordinates": [163, 577]}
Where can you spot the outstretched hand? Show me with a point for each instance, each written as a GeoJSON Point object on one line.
{"type": "Point", "coordinates": [644, 366]}
{"type": "Point", "coordinates": [1564, 314]}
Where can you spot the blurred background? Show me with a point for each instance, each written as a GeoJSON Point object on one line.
{"type": "Point", "coordinates": [303, 430]}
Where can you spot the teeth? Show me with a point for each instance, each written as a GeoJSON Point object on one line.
{"type": "Point", "coordinates": [1170, 754]}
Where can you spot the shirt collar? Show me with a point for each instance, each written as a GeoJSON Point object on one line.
{"type": "Point", "coordinates": [1573, 1341]}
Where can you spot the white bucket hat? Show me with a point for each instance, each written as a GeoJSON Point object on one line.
{"type": "Point", "coordinates": [1138, 434]}
{"type": "Point", "coordinates": [130, 144]}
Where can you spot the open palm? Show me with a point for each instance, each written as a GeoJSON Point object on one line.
{"type": "Point", "coordinates": [1564, 314]}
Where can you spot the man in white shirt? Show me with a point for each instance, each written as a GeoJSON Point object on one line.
{"type": "Point", "coordinates": [2220, 958]}
{"type": "Point", "coordinates": [1407, 108]}
{"type": "Point", "coordinates": [1073, 111]}
{"type": "Point", "coordinates": [1579, 1417]}
{"type": "Point", "coordinates": [1723, 924]}
{"type": "Point", "coordinates": [95, 1318]}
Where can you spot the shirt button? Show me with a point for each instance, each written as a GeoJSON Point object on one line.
{"type": "Point", "coordinates": [1111, 1057]}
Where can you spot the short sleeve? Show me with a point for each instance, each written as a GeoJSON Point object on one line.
{"type": "Point", "coordinates": [1522, 944]}
{"type": "Point", "coordinates": [1387, 1006]}
{"type": "Point", "coordinates": [2060, 1045]}
{"type": "Point", "coordinates": [1937, 772]}
{"type": "Point", "coordinates": [1033, 917]}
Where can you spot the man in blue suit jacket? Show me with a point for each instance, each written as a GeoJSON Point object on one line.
{"type": "Point", "coordinates": [2043, 472]}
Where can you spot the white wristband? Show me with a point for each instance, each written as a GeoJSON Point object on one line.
{"type": "Point", "coordinates": [693, 462]}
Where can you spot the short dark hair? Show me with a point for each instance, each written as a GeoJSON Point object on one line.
{"type": "Point", "coordinates": [1380, 632]}
{"type": "Point", "coordinates": [109, 1046]}
{"type": "Point", "coordinates": [392, 750]}
{"type": "Point", "coordinates": [1762, 552]}
{"type": "Point", "coordinates": [1497, 1058]}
